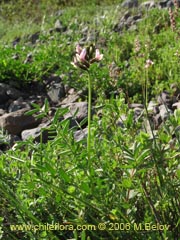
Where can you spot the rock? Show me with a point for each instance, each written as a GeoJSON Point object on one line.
{"type": "Point", "coordinates": [29, 58]}
{"type": "Point", "coordinates": [3, 93]}
{"type": "Point", "coordinates": [176, 105]}
{"type": "Point", "coordinates": [157, 120]}
{"type": "Point", "coordinates": [77, 112]}
{"type": "Point", "coordinates": [16, 41]}
{"type": "Point", "coordinates": [163, 3]}
{"type": "Point", "coordinates": [120, 121]}
{"type": "Point", "coordinates": [80, 134]}
{"type": "Point", "coordinates": [59, 27]}
{"type": "Point", "coordinates": [148, 5]}
{"type": "Point", "coordinates": [164, 112]}
{"type": "Point", "coordinates": [34, 37]}
{"type": "Point", "coordinates": [39, 134]}
{"type": "Point", "coordinates": [127, 22]}
{"type": "Point", "coordinates": [137, 112]}
{"type": "Point", "coordinates": [130, 3]}
{"type": "Point", "coordinates": [16, 122]}
{"type": "Point", "coordinates": [170, 3]}
{"type": "Point", "coordinates": [136, 105]}
{"type": "Point", "coordinates": [56, 92]}
{"type": "Point", "coordinates": [18, 104]}
{"type": "Point", "coordinates": [2, 111]}
{"type": "Point", "coordinates": [151, 106]}
{"type": "Point", "coordinates": [164, 98]}
{"type": "Point", "coordinates": [72, 97]}
{"type": "Point", "coordinates": [7, 92]}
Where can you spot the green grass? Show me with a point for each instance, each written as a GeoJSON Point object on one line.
{"type": "Point", "coordinates": [135, 174]}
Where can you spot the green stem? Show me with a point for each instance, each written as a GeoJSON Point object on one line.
{"type": "Point", "coordinates": [89, 118]}
{"type": "Point", "coordinates": [146, 87]}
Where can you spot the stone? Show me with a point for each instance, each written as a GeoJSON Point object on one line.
{"type": "Point", "coordinates": [18, 104]}
{"type": "Point", "coordinates": [130, 4]}
{"type": "Point", "coordinates": [59, 27]}
{"type": "Point", "coordinates": [151, 106]}
{"type": "Point", "coordinates": [80, 134]}
{"type": "Point", "coordinates": [164, 98]}
{"type": "Point", "coordinates": [157, 120]}
{"type": "Point", "coordinates": [136, 105]}
{"type": "Point", "coordinates": [7, 92]}
{"type": "Point", "coordinates": [2, 111]}
{"type": "Point", "coordinates": [176, 105]}
{"type": "Point", "coordinates": [148, 5]}
{"type": "Point", "coordinates": [120, 121]}
{"type": "Point", "coordinates": [34, 37]}
{"type": "Point", "coordinates": [42, 133]}
{"type": "Point", "coordinates": [164, 112]}
{"type": "Point", "coordinates": [56, 92]}
{"type": "Point", "coordinates": [71, 98]}
{"type": "Point", "coordinates": [16, 122]}
{"type": "Point", "coordinates": [77, 112]}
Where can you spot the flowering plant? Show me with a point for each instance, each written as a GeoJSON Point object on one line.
{"type": "Point", "coordinates": [86, 56]}
{"type": "Point", "coordinates": [83, 59]}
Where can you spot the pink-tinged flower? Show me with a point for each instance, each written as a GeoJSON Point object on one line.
{"type": "Point", "coordinates": [149, 63]}
{"type": "Point", "coordinates": [78, 49]}
{"type": "Point", "coordinates": [98, 56]}
{"type": "Point", "coordinates": [82, 55]}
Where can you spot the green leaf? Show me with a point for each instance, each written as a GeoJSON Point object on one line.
{"type": "Point", "coordinates": [83, 235]}
{"type": "Point", "coordinates": [178, 173]}
{"type": "Point", "coordinates": [64, 175]}
{"type": "Point", "coordinates": [126, 183]}
{"type": "Point", "coordinates": [71, 189]}
{"type": "Point", "coordinates": [85, 187]}
{"type": "Point", "coordinates": [31, 112]}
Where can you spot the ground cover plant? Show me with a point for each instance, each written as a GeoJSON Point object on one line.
{"type": "Point", "coordinates": [130, 187]}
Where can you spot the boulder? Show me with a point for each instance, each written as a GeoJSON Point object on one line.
{"type": "Point", "coordinates": [130, 3]}
{"type": "Point", "coordinates": [16, 122]}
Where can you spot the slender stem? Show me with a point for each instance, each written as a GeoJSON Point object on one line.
{"type": "Point", "coordinates": [89, 117]}
{"type": "Point", "coordinates": [146, 87]}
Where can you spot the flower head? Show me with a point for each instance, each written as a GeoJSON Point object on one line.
{"type": "Point", "coordinates": [98, 56]}
{"type": "Point", "coordinates": [149, 63]}
{"type": "Point", "coordinates": [86, 56]}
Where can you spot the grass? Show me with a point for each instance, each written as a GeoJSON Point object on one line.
{"type": "Point", "coordinates": [134, 177]}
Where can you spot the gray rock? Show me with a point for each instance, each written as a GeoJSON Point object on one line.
{"type": "Point", "coordinates": [157, 120]}
{"type": "Point", "coordinates": [151, 106]}
{"type": "Point", "coordinates": [170, 3]}
{"type": "Point", "coordinates": [148, 5]}
{"type": "Point", "coordinates": [56, 92]}
{"type": "Point", "coordinates": [176, 105]}
{"type": "Point", "coordinates": [130, 3]}
{"type": "Point", "coordinates": [7, 92]}
{"type": "Point", "coordinates": [71, 98]}
{"type": "Point", "coordinates": [58, 26]}
{"type": "Point", "coordinates": [2, 111]}
{"type": "Point", "coordinates": [42, 133]}
{"type": "Point", "coordinates": [164, 98]}
{"type": "Point", "coordinates": [18, 104]}
{"type": "Point", "coordinates": [77, 112]}
{"type": "Point", "coordinates": [120, 121]}
{"type": "Point", "coordinates": [136, 105]}
{"type": "Point", "coordinates": [16, 122]}
{"type": "Point", "coordinates": [34, 37]}
{"type": "Point", "coordinates": [80, 134]}
{"type": "Point", "coordinates": [164, 112]}
{"type": "Point", "coordinates": [3, 93]}
{"type": "Point", "coordinates": [163, 3]}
